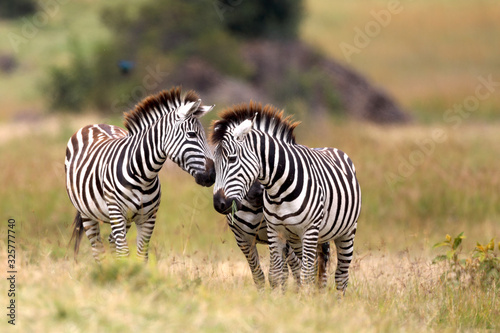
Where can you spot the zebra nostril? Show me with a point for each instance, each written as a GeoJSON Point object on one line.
{"type": "Point", "coordinates": [221, 203]}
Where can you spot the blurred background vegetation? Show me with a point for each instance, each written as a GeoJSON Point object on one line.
{"type": "Point", "coordinates": [65, 65]}
{"type": "Point", "coordinates": [91, 56]}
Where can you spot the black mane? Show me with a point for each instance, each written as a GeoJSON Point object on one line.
{"type": "Point", "coordinates": [268, 119]}
{"type": "Point", "coordinates": [154, 107]}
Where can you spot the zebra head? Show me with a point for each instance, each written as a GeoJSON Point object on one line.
{"type": "Point", "coordinates": [186, 142]}
{"type": "Point", "coordinates": [236, 164]}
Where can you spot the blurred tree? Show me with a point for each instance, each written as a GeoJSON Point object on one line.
{"type": "Point", "coordinates": [175, 29]}
{"type": "Point", "coordinates": [170, 42]}
{"type": "Point", "coordinates": [17, 8]}
{"type": "Point", "coordinates": [278, 19]}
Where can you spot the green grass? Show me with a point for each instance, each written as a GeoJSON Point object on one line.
{"type": "Point", "coordinates": [429, 58]}
{"type": "Point", "coordinates": [197, 278]}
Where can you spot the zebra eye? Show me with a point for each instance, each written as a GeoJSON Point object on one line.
{"type": "Point", "coordinates": [231, 159]}
{"type": "Point", "coordinates": [191, 134]}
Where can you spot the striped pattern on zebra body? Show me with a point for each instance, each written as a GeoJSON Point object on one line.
{"type": "Point", "coordinates": [250, 228]}
{"type": "Point", "coordinates": [311, 196]}
{"type": "Point", "coordinates": [112, 174]}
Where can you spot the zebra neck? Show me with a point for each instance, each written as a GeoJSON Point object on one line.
{"type": "Point", "coordinates": [278, 163]}
{"type": "Point", "coordinates": [147, 156]}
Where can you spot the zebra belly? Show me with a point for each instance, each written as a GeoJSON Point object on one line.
{"type": "Point", "coordinates": [136, 206]}
{"type": "Point", "coordinates": [95, 210]}
{"type": "Point", "coordinates": [100, 211]}
{"type": "Point", "coordinates": [289, 214]}
{"type": "Point", "coordinates": [335, 229]}
{"type": "Point", "coordinates": [292, 221]}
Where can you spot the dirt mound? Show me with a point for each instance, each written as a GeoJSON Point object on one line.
{"type": "Point", "coordinates": [271, 65]}
{"type": "Point", "coordinates": [359, 98]}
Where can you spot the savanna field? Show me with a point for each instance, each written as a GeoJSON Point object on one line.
{"type": "Point", "coordinates": [438, 175]}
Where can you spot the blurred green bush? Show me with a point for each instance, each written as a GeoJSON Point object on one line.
{"type": "Point", "coordinates": [194, 43]}
{"type": "Point", "coordinates": [279, 19]}
{"type": "Point", "coordinates": [176, 30]}
{"type": "Point", "coordinates": [162, 43]}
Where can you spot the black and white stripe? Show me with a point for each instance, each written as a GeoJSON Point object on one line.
{"type": "Point", "coordinates": [112, 175]}
{"type": "Point", "coordinates": [311, 196]}
{"type": "Point", "coordinates": [250, 228]}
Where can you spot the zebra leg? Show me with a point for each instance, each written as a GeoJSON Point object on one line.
{"type": "Point", "coordinates": [286, 272]}
{"type": "Point", "coordinates": [322, 264]}
{"type": "Point", "coordinates": [252, 256]}
{"type": "Point", "coordinates": [119, 233]}
{"type": "Point", "coordinates": [309, 246]}
{"type": "Point", "coordinates": [294, 263]}
{"type": "Point", "coordinates": [344, 247]}
{"type": "Point", "coordinates": [144, 232]}
{"type": "Point", "coordinates": [289, 260]}
{"type": "Point", "coordinates": [93, 233]}
{"type": "Point", "coordinates": [112, 242]}
{"type": "Point", "coordinates": [277, 248]}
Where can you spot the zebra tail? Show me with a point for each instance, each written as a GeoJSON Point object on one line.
{"type": "Point", "coordinates": [78, 232]}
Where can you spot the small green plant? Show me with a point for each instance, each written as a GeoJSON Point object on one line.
{"type": "Point", "coordinates": [453, 246]}
{"type": "Point", "coordinates": [481, 267]}
{"type": "Point", "coordinates": [234, 209]}
{"type": "Point", "coordinates": [488, 262]}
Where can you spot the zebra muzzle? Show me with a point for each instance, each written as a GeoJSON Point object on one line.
{"type": "Point", "coordinates": [206, 178]}
{"type": "Point", "coordinates": [223, 204]}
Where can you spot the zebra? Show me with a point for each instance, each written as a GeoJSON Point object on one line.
{"type": "Point", "coordinates": [112, 174]}
{"type": "Point", "coordinates": [249, 229]}
{"type": "Point", "coordinates": [311, 196]}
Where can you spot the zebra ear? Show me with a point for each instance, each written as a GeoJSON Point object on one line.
{"type": "Point", "coordinates": [243, 129]}
{"type": "Point", "coordinates": [187, 109]}
{"type": "Point", "coordinates": [202, 110]}
{"type": "Point", "coordinates": [215, 126]}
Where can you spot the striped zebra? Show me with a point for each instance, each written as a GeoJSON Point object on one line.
{"type": "Point", "coordinates": [112, 175]}
{"type": "Point", "coordinates": [249, 229]}
{"type": "Point", "coordinates": [311, 196]}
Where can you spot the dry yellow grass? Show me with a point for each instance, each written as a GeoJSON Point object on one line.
{"type": "Point", "coordinates": [198, 280]}
{"type": "Point", "coordinates": [389, 291]}
{"type": "Point", "coordinates": [429, 57]}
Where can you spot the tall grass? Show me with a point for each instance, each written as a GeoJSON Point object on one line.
{"type": "Point", "coordinates": [197, 278]}
{"type": "Point", "coordinates": [196, 293]}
